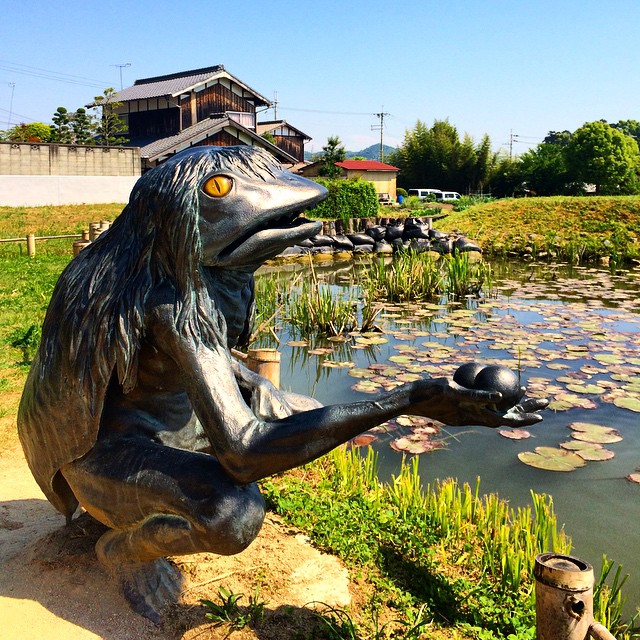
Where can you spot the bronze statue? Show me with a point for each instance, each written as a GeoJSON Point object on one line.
{"type": "Point", "coordinates": [134, 407]}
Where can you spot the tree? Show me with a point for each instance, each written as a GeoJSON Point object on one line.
{"type": "Point", "coordinates": [61, 128]}
{"type": "Point", "coordinates": [601, 155]}
{"type": "Point", "coordinates": [333, 152]}
{"type": "Point", "coordinates": [83, 127]}
{"type": "Point", "coordinates": [110, 125]}
{"type": "Point", "coordinates": [544, 169]}
{"type": "Point", "coordinates": [33, 132]}
{"type": "Point", "coordinates": [629, 128]}
{"type": "Point", "coordinates": [435, 157]}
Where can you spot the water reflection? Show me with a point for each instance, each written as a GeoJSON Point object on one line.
{"type": "Point", "coordinates": [573, 332]}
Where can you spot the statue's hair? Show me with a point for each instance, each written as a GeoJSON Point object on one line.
{"type": "Point", "coordinates": [100, 299]}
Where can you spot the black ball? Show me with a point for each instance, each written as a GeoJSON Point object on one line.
{"type": "Point", "coordinates": [466, 374]}
{"type": "Point", "coordinates": [502, 379]}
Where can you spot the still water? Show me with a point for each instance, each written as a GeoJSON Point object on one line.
{"type": "Point", "coordinates": [574, 334]}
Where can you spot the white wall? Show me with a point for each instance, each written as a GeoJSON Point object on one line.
{"type": "Point", "coordinates": [35, 191]}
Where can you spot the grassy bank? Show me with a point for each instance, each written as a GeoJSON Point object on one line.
{"type": "Point", "coordinates": [572, 228]}
{"type": "Point", "coordinates": [439, 561]}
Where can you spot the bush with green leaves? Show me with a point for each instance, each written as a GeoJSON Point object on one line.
{"type": "Point", "coordinates": [353, 198]}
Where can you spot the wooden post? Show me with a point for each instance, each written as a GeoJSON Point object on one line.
{"type": "Point", "coordinates": [265, 362]}
{"type": "Point", "coordinates": [31, 245]}
{"type": "Point", "coordinates": [564, 597]}
{"type": "Point", "coordinates": [79, 245]}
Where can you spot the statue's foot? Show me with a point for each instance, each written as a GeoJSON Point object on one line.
{"type": "Point", "coordinates": [149, 587]}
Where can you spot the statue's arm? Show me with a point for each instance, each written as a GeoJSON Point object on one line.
{"type": "Point", "coordinates": [250, 448]}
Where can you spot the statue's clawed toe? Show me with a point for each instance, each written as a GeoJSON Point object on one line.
{"type": "Point", "coordinates": [150, 587]}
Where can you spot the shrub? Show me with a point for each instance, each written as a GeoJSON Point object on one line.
{"type": "Point", "coordinates": [347, 199]}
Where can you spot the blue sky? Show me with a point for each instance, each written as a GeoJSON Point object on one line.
{"type": "Point", "coordinates": [499, 67]}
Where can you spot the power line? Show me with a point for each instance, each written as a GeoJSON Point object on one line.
{"type": "Point", "coordinates": [48, 74]}
{"type": "Point", "coordinates": [334, 113]}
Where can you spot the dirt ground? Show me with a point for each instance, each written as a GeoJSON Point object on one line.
{"type": "Point", "coordinates": [52, 587]}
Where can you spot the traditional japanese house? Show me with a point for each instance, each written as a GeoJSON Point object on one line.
{"type": "Point", "coordinates": [209, 106]}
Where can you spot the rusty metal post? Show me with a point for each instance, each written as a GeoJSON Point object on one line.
{"type": "Point", "coordinates": [265, 362]}
{"type": "Point", "coordinates": [564, 597]}
{"type": "Point", "coordinates": [31, 245]}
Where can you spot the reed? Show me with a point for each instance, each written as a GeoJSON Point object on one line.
{"type": "Point", "coordinates": [410, 276]}
{"type": "Point", "coordinates": [445, 547]}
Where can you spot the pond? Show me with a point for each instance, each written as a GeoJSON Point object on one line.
{"type": "Point", "coordinates": [574, 335]}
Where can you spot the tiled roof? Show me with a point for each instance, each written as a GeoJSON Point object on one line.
{"type": "Point", "coordinates": [158, 147]}
{"type": "Point", "coordinates": [366, 165]}
{"type": "Point", "coordinates": [176, 83]}
{"type": "Point", "coordinates": [168, 85]}
{"type": "Point", "coordinates": [270, 125]}
{"type": "Point", "coordinates": [199, 131]}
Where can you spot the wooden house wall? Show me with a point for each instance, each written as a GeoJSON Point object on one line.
{"type": "Point", "coordinates": [293, 145]}
{"type": "Point", "coordinates": [219, 99]}
{"type": "Point", "coordinates": [158, 123]}
{"type": "Point", "coordinates": [220, 139]}
{"type": "Point", "coordinates": [185, 108]}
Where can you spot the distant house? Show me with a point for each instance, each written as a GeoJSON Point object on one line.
{"type": "Point", "coordinates": [285, 137]}
{"type": "Point", "coordinates": [167, 114]}
{"type": "Point", "coordinates": [383, 176]}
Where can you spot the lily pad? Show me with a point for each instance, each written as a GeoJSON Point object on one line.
{"type": "Point", "coordinates": [415, 444]}
{"type": "Point", "coordinates": [628, 402]}
{"type": "Point", "coordinates": [363, 440]}
{"type": "Point", "coordinates": [358, 372]}
{"type": "Point", "coordinates": [634, 477]}
{"type": "Point", "coordinates": [589, 432]}
{"type": "Point", "coordinates": [372, 340]}
{"type": "Point", "coordinates": [551, 459]}
{"type": "Point", "coordinates": [588, 450]}
{"type": "Point", "coordinates": [514, 434]}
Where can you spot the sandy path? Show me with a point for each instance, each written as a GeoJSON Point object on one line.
{"type": "Point", "coordinates": [51, 586]}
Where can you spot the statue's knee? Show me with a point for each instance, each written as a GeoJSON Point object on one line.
{"type": "Point", "coordinates": [234, 524]}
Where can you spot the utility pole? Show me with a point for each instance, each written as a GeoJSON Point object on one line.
{"type": "Point", "coordinates": [275, 105]}
{"type": "Point", "coordinates": [513, 137]}
{"type": "Point", "coordinates": [120, 66]}
{"type": "Point", "coordinates": [13, 88]}
{"type": "Point", "coordinates": [380, 127]}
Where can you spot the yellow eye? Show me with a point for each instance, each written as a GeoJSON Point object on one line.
{"type": "Point", "coordinates": [218, 186]}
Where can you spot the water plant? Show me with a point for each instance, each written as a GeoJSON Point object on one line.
{"type": "Point", "coordinates": [316, 309]}
{"type": "Point", "coordinates": [464, 276]}
{"type": "Point", "coordinates": [410, 276]}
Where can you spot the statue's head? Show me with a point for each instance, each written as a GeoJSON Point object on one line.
{"type": "Point", "coordinates": [234, 206]}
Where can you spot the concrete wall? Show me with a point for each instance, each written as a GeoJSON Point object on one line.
{"type": "Point", "coordinates": [40, 159]}
{"type": "Point", "coordinates": [37, 174]}
{"type": "Point", "coordinates": [37, 191]}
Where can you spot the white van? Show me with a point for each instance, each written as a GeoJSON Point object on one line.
{"type": "Point", "coordinates": [448, 195]}
{"type": "Point", "coordinates": [423, 193]}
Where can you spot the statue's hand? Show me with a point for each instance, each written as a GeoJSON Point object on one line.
{"type": "Point", "coordinates": [269, 403]}
{"type": "Point", "coordinates": [452, 404]}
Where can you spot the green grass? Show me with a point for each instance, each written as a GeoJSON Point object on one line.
{"type": "Point", "coordinates": [573, 228]}
{"type": "Point", "coordinates": [26, 285]}
{"type": "Point", "coordinates": [442, 553]}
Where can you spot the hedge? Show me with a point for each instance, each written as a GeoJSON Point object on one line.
{"type": "Point", "coordinates": [353, 198]}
